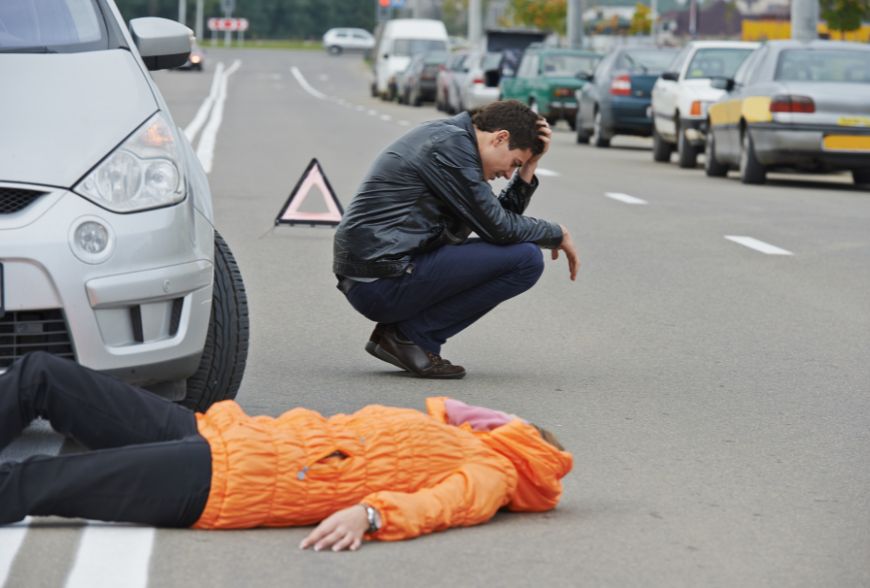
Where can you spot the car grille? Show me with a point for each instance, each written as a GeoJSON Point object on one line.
{"type": "Point", "coordinates": [24, 331]}
{"type": "Point", "coordinates": [15, 199]}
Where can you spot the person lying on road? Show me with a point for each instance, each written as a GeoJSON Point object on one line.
{"type": "Point", "coordinates": [380, 473]}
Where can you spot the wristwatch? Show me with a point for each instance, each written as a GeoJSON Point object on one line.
{"type": "Point", "coordinates": [374, 518]}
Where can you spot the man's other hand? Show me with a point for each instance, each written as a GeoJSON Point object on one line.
{"type": "Point", "coordinates": [340, 530]}
{"type": "Point", "coordinates": [567, 245]}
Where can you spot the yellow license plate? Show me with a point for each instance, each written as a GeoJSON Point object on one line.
{"type": "Point", "coordinates": [846, 143]}
{"type": "Point", "coordinates": [854, 121]}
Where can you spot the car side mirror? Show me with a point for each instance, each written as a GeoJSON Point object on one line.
{"type": "Point", "coordinates": [584, 75]}
{"type": "Point", "coordinates": [726, 84]}
{"type": "Point", "coordinates": [670, 76]}
{"type": "Point", "coordinates": [162, 43]}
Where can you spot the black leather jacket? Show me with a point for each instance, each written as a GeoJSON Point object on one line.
{"type": "Point", "coordinates": [427, 190]}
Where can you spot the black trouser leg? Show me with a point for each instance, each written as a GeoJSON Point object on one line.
{"type": "Point", "coordinates": [162, 484]}
{"type": "Point", "coordinates": [94, 409]}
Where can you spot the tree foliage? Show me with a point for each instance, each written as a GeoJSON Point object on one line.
{"type": "Point", "coordinates": [268, 19]}
{"type": "Point", "coordinates": [548, 15]}
{"type": "Point", "coordinates": [844, 15]}
{"type": "Point", "coordinates": [641, 21]}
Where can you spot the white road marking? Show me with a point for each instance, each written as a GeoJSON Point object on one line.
{"type": "Point", "coordinates": [373, 112]}
{"type": "Point", "coordinates": [202, 114]}
{"type": "Point", "coordinates": [624, 198]}
{"type": "Point", "coordinates": [205, 150]}
{"type": "Point", "coordinates": [305, 85]}
{"type": "Point", "coordinates": [360, 107]}
{"type": "Point", "coordinates": [761, 246]}
{"type": "Point", "coordinates": [11, 538]}
{"type": "Point", "coordinates": [111, 556]}
{"type": "Point", "coordinates": [546, 172]}
{"type": "Point", "coordinates": [386, 117]}
{"type": "Point", "coordinates": [404, 123]}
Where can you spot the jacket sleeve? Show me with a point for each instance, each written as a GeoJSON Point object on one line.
{"type": "Point", "coordinates": [517, 194]}
{"type": "Point", "coordinates": [469, 496]}
{"type": "Point", "coordinates": [454, 176]}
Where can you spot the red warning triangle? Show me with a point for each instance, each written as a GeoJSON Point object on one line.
{"type": "Point", "coordinates": [312, 177]}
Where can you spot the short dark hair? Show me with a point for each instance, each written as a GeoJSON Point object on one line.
{"type": "Point", "coordinates": [549, 437]}
{"type": "Point", "coordinates": [514, 117]}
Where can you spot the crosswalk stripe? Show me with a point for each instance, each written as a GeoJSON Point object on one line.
{"type": "Point", "coordinates": [112, 556]}
{"type": "Point", "coordinates": [11, 538]}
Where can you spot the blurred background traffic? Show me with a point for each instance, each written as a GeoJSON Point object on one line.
{"type": "Point", "coordinates": [745, 85]}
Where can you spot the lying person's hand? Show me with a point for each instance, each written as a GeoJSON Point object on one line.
{"type": "Point", "coordinates": [340, 530]}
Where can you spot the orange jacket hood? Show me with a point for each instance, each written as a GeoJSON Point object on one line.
{"type": "Point", "coordinates": [540, 466]}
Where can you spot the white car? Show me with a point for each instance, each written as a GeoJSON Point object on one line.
{"type": "Point", "coordinates": [339, 40]}
{"type": "Point", "coordinates": [681, 95]}
{"type": "Point", "coordinates": [108, 251]}
{"type": "Point", "coordinates": [478, 86]}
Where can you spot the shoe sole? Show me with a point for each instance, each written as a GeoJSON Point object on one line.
{"type": "Point", "coordinates": [379, 352]}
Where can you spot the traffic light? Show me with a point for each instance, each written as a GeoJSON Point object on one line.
{"type": "Point", "coordinates": [384, 3]}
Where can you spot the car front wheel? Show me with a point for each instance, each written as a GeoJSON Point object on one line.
{"type": "Point", "coordinates": [334, 50]}
{"type": "Point", "coordinates": [598, 137]}
{"type": "Point", "coordinates": [226, 344]}
{"type": "Point", "coordinates": [687, 155]}
{"type": "Point", "coordinates": [751, 170]}
{"type": "Point", "coordinates": [712, 167]}
{"type": "Point", "coordinates": [661, 149]}
{"type": "Point", "coordinates": [861, 177]}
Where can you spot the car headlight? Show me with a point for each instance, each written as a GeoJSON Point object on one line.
{"type": "Point", "coordinates": [141, 173]}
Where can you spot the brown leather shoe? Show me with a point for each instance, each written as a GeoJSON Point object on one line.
{"type": "Point", "coordinates": [375, 338]}
{"type": "Point", "coordinates": [410, 357]}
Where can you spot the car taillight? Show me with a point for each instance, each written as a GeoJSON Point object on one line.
{"type": "Point", "coordinates": [621, 86]}
{"type": "Point", "coordinates": [478, 80]}
{"type": "Point", "coordinates": [789, 103]}
{"type": "Point", "coordinates": [561, 92]}
{"type": "Point", "coordinates": [697, 108]}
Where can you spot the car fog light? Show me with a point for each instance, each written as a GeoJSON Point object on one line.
{"type": "Point", "coordinates": [91, 240]}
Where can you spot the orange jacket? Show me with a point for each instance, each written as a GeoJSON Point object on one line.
{"type": "Point", "coordinates": [422, 474]}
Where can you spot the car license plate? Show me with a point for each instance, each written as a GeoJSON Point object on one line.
{"type": "Point", "coordinates": [854, 121]}
{"type": "Point", "coordinates": [846, 143]}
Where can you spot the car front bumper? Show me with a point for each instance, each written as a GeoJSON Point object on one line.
{"type": "Point", "coordinates": [811, 145]}
{"type": "Point", "coordinates": [141, 313]}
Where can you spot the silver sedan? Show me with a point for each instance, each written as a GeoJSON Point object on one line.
{"type": "Point", "coordinates": [794, 105]}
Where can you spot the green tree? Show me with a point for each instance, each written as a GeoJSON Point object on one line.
{"type": "Point", "coordinates": [844, 15]}
{"type": "Point", "coordinates": [548, 15]}
{"type": "Point", "coordinates": [641, 23]}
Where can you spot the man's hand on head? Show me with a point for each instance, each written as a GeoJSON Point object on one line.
{"type": "Point", "coordinates": [527, 171]}
{"type": "Point", "coordinates": [340, 530]}
{"type": "Point", "coordinates": [567, 245]}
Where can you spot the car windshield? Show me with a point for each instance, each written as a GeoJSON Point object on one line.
{"type": "Point", "coordinates": [647, 60]}
{"type": "Point", "coordinates": [824, 65]}
{"type": "Point", "coordinates": [491, 61]}
{"type": "Point", "coordinates": [564, 65]}
{"type": "Point", "coordinates": [716, 63]}
{"type": "Point", "coordinates": [51, 26]}
{"type": "Point", "coordinates": [409, 47]}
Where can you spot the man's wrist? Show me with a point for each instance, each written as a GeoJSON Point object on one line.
{"type": "Point", "coordinates": [373, 517]}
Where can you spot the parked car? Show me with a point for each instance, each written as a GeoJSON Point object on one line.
{"type": "Point", "coordinates": [616, 99]}
{"type": "Point", "coordinates": [478, 86]}
{"type": "Point", "coordinates": [196, 59]}
{"type": "Point", "coordinates": [445, 85]}
{"type": "Point", "coordinates": [337, 41]}
{"type": "Point", "coordinates": [797, 105]}
{"type": "Point", "coordinates": [108, 251]}
{"type": "Point", "coordinates": [681, 95]}
{"type": "Point", "coordinates": [547, 78]}
{"type": "Point", "coordinates": [397, 42]}
{"type": "Point", "coordinates": [402, 80]}
{"type": "Point", "coordinates": [421, 80]}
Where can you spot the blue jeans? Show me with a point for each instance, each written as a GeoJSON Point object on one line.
{"type": "Point", "coordinates": [448, 289]}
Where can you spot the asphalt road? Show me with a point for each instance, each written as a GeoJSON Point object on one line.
{"type": "Point", "coordinates": [716, 398]}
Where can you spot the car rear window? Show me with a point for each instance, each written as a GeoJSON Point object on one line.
{"type": "Point", "coordinates": [824, 65]}
{"type": "Point", "coordinates": [51, 26]}
{"type": "Point", "coordinates": [409, 47]}
{"type": "Point", "coordinates": [647, 60]}
{"type": "Point", "coordinates": [716, 63]}
{"type": "Point", "coordinates": [564, 65]}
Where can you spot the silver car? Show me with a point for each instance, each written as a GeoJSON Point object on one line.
{"type": "Point", "coordinates": [795, 105]}
{"type": "Point", "coordinates": [108, 252]}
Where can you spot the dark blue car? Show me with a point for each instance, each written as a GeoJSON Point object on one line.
{"type": "Point", "coordinates": [616, 99]}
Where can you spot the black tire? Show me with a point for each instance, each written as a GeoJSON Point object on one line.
{"type": "Point", "coordinates": [374, 90]}
{"type": "Point", "coordinates": [661, 149]}
{"type": "Point", "coordinates": [598, 137]}
{"type": "Point", "coordinates": [861, 177]}
{"type": "Point", "coordinates": [712, 167]}
{"type": "Point", "coordinates": [226, 344]}
{"type": "Point", "coordinates": [751, 171]}
{"type": "Point", "coordinates": [687, 154]}
{"type": "Point", "coordinates": [334, 50]}
{"type": "Point", "coordinates": [572, 122]}
{"type": "Point", "coordinates": [582, 136]}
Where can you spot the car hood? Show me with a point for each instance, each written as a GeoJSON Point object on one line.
{"type": "Point", "coordinates": [62, 113]}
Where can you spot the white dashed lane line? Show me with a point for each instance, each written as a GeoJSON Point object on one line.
{"type": "Point", "coordinates": [546, 172]}
{"type": "Point", "coordinates": [624, 198]}
{"type": "Point", "coordinates": [757, 245]}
